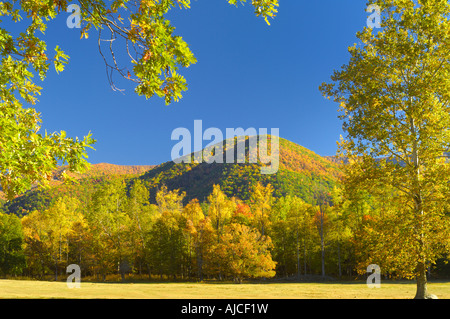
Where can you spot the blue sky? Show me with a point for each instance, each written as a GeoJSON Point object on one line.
{"type": "Point", "coordinates": [248, 74]}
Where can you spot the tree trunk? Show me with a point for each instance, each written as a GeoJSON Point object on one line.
{"type": "Point", "coordinates": [422, 292]}
{"type": "Point", "coordinates": [421, 269]}
{"type": "Point", "coordinates": [322, 244]}
{"type": "Point", "coordinates": [304, 256]}
{"type": "Point", "coordinates": [298, 258]}
{"type": "Point", "coordinates": [339, 259]}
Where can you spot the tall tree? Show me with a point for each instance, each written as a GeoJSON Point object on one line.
{"type": "Point", "coordinates": [261, 200]}
{"type": "Point", "coordinates": [12, 257]}
{"type": "Point", "coordinates": [61, 217]}
{"type": "Point", "coordinates": [110, 224]}
{"type": "Point", "coordinates": [221, 209]}
{"type": "Point", "coordinates": [192, 217]}
{"type": "Point", "coordinates": [394, 97]}
{"type": "Point", "coordinates": [165, 240]}
{"type": "Point", "coordinates": [142, 215]}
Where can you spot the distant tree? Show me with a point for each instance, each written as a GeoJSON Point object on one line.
{"type": "Point", "coordinates": [394, 100]}
{"type": "Point", "coordinates": [169, 200]}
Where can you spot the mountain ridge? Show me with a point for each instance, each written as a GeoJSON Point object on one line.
{"type": "Point", "coordinates": [301, 172]}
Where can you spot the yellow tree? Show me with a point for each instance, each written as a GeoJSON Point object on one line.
{"type": "Point", "coordinates": [394, 97]}
{"type": "Point", "coordinates": [165, 239]}
{"type": "Point", "coordinates": [47, 234]}
{"type": "Point", "coordinates": [61, 217]}
{"type": "Point", "coordinates": [220, 209]}
{"type": "Point", "coordinates": [169, 200]}
{"type": "Point", "coordinates": [298, 217]}
{"type": "Point", "coordinates": [35, 229]}
{"type": "Point", "coordinates": [110, 224]}
{"type": "Point", "coordinates": [192, 217]}
{"type": "Point", "coordinates": [244, 253]}
{"type": "Point", "coordinates": [261, 202]}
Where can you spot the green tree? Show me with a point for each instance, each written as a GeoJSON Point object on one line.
{"type": "Point", "coordinates": [142, 215]}
{"type": "Point", "coordinates": [12, 257]}
{"type": "Point", "coordinates": [110, 224]}
{"type": "Point", "coordinates": [394, 100]}
{"type": "Point", "coordinates": [165, 240]}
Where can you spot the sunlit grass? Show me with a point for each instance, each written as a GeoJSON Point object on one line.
{"type": "Point", "coordinates": [90, 290]}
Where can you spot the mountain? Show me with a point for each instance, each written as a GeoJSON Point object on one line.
{"type": "Point", "coordinates": [83, 185]}
{"type": "Point", "coordinates": [105, 169]}
{"type": "Point", "coordinates": [301, 172]}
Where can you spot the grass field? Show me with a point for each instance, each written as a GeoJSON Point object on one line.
{"type": "Point", "coordinates": [344, 290]}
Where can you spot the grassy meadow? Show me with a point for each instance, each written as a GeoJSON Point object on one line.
{"type": "Point", "coordinates": [333, 290]}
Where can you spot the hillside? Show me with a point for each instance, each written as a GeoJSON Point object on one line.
{"type": "Point", "coordinates": [84, 184]}
{"type": "Point", "coordinates": [301, 172]}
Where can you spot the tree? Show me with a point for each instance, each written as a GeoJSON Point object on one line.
{"type": "Point", "coordinates": [155, 55]}
{"type": "Point", "coordinates": [221, 209]}
{"type": "Point", "coordinates": [26, 156]}
{"type": "Point", "coordinates": [204, 237]}
{"type": "Point", "coordinates": [142, 216]}
{"type": "Point", "coordinates": [261, 205]}
{"type": "Point", "coordinates": [192, 217]}
{"type": "Point", "coordinates": [244, 253]}
{"type": "Point", "coordinates": [47, 236]}
{"type": "Point", "coordinates": [61, 218]}
{"type": "Point", "coordinates": [12, 257]}
{"type": "Point", "coordinates": [110, 226]}
{"type": "Point", "coordinates": [298, 217]}
{"type": "Point", "coordinates": [394, 100]}
{"type": "Point", "coordinates": [165, 240]}
{"type": "Point", "coordinates": [341, 232]}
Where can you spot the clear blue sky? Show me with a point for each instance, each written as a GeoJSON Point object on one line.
{"type": "Point", "coordinates": [248, 74]}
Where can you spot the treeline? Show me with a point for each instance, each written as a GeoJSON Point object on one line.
{"type": "Point", "coordinates": [119, 232]}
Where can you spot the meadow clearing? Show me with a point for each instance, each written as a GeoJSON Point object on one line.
{"type": "Point", "coordinates": [332, 290]}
